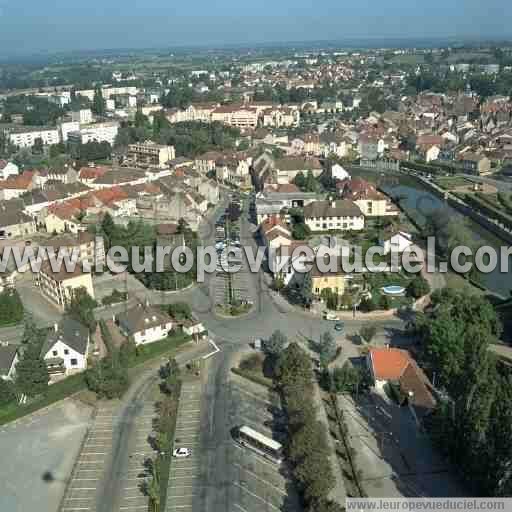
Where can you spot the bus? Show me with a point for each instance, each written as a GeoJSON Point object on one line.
{"type": "Point", "coordinates": [260, 444]}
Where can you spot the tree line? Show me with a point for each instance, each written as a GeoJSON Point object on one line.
{"type": "Point", "coordinates": [473, 422]}
{"type": "Point", "coordinates": [306, 448]}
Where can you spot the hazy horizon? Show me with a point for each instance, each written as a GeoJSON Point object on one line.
{"type": "Point", "coordinates": [34, 28]}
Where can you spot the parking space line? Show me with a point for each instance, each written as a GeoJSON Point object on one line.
{"type": "Point", "coordinates": [257, 477]}
{"type": "Point", "coordinates": [256, 496]}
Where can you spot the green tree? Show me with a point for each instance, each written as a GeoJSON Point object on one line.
{"type": "Point", "coordinates": [98, 103]}
{"type": "Point", "coordinates": [81, 308]}
{"type": "Point", "coordinates": [275, 345]}
{"type": "Point", "coordinates": [11, 307]}
{"type": "Point", "coordinates": [294, 367]}
{"type": "Point", "coordinates": [180, 311]}
{"type": "Point", "coordinates": [418, 287]}
{"type": "Point", "coordinates": [327, 348]}
{"type": "Point", "coordinates": [368, 332]}
{"type": "Point", "coordinates": [31, 371]}
{"type": "Point", "coordinates": [7, 392]}
{"type": "Point", "coordinates": [306, 289]}
{"type": "Point", "coordinates": [301, 232]}
{"type": "Point", "coordinates": [107, 378]}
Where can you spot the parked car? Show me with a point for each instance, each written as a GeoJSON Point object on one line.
{"type": "Point", "coordinates": [339, 326]}
{"type": "Point", "coordinates": [330, 316]}
{"type": "Point", "coordinates": [181, 453]}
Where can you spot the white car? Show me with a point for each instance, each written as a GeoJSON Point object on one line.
{"type": "Point", "coordinates": [330, 316]}
{"type": "Point", "coordinates": [182, 453]}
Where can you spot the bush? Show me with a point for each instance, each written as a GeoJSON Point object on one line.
{"type": "Point", "coordinates": [7, 394]}
{"type": "Point", "coordinates": [11, 308]}
{"type": "Point", "coordinates": [418, 287]}
{"type": "Point", "coordinates": [252, 363]}
{"type": "Point", "coordinates": [115, 297]}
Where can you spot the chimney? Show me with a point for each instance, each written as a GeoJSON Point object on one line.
{"type": "Point", "coordinates": [56, 327]}
{"type": "Point", "coordinates": [333, 204]}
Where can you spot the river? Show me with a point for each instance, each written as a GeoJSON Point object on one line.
{"type": "Point", "coordinates": [419, 202]}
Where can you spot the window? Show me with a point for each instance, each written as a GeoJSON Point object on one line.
{"type": "Point", "coordinates": [74, 362]}
{"type": "Point", "coordinates": [66, 352]}
{"type": "Point", "coordinates": [55, 353]}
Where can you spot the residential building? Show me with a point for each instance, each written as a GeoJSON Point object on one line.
{"type": "Point", "coordinates": [396, 366]}
{"type": "Point", "coordinates": [65, 127]}
{"type": "Point", "coordinates": [239, 116]}
{"type": "Point", "coordinates": [88, 247]}
{"type": "Point", "coordinates": [341, 215]}
{"type": "Point", "coordinates": [371, 202]}
{"type": "Point", "coordinates": [149, 154]}
{"type": "Point", "coordinates": [8, 360]}
{"type": "Point", "coordinates": [97, 132]}
{"type": "Point", "coordinates": [26, 136]}
{"type": "Point", "coordinates": [14, 223]}
{"type": "Point", "coordinates": [144, 324]}
{"type": "Point", "coordinates": [59, 286]}
{"type": "Point", "coordinates": [7, 169]}
{"type": "Point", "coordinates": [66, 348]}
{"type": "Point", "coordinates": [274, 200]}
{"type": "Point", "coordinates": [82, 116]}
{"type": "Point", "coordinates": [397, 243]}
{"type": "Point", "coordinates": [333, 279]}
{"type": "Point", "coordinates": [475, 164]}
{"type": "Point", "coordinates": [66, 174]}
{"type": "Point", "coordinates": [281, 117]}
{"type": "Point", "coordinates": [286, 169]}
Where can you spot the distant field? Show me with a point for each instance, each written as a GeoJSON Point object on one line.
{"type": "Point", "coordinates": [449, 182]}
{"type": "Point", "coordinates": [468, 55]}
{"type": "Point", "coordinates": [408, 59]}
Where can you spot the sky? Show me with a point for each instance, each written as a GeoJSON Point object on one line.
{"type": "Point", "coordinates": [34, 26]}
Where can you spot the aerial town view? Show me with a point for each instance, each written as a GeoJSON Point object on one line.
{"type": "Point", "coordinates": [255, 258]}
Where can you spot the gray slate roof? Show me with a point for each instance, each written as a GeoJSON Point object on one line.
{"type": "Point", "coordinates": [69, 331]}
{"type": "Point", "coordinates": [340, 208]}
{"type": "Point", "coordinates": [140, 318]}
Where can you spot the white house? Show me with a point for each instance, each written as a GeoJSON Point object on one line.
{"type": "Point", "coordinates": [8, 360]}
{"type": "Point", "coordinates": [66, 348]}
{"type": "Point", "coordinates": [341, 215]}
{"type": "Point", "coordinates": [144, 324]}
{"type": "Point", "coordinates": [397, 243]}
{"type": "Point", "coordinates": [7, 169]}
{"type": "Point", "coordinates": [192, 327]}
{"type": "Point", "coordinates": [339, 173]}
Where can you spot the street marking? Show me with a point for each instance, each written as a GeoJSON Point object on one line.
{"type": "Point", "coordinates": [255, 476]}
{"type": "Point", "coordinates": [256, 496]}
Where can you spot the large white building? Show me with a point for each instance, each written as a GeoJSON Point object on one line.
{"type": "Point", "coordinates": [25, 137]}
{"type": "Point", "coordinates": [151, 154]}
{"type": "Point", "coordinates": [66, 127]}
{"type": "Point", "coordinates": [341, 215]}
{"type": "Point", "coordinates": [82, 116]}
{"type": "Point", "coordinates": [99, 132]}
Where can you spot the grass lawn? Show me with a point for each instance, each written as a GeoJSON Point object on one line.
{"type": "Point", "coordinates": [449, 182]}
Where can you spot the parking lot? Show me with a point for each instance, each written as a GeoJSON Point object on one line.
{"type": "Point", "coordinates": [38, 454]}
{"type": "Point", "coordinates": [132, 497]}
{"type": "Point", "coordinates": [258, 484]}
{"type": "Point", "coordinates": [395, 456]}
{"type": "Point", "coordinates": [184, 488]}
{"type": "Point", "coordinates": [88, 473]}
{"type": "Point", "coordinates": [230, 288]}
